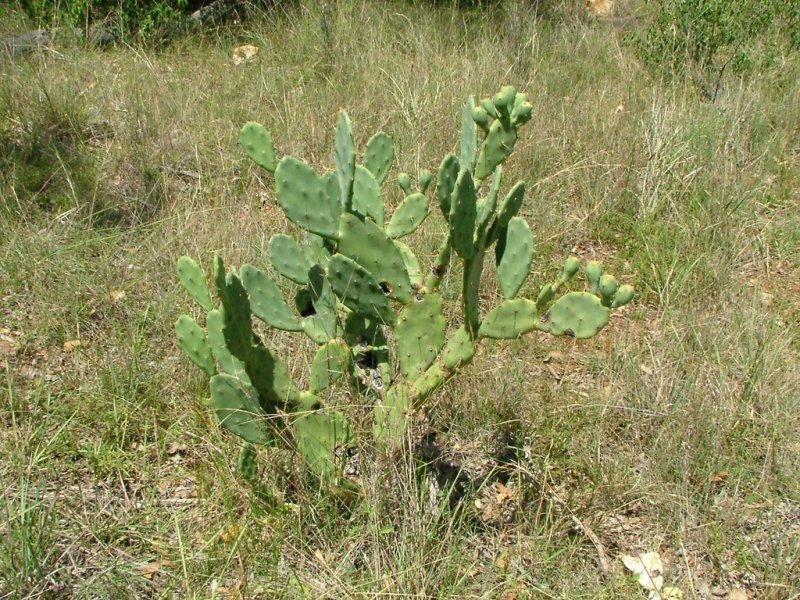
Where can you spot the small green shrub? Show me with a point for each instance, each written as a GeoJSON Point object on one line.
{"type": "Point", "coordinates": [363, 297]}
{"type": "Point", "coordinates": [127, 18]}
{"type": "Point", "coordinates": [701, 39]}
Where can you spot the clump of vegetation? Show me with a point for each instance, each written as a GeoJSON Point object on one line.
{"type": "Point", "coordinates": [701, 40]}
{"type": "Point", "coordinates": [353, 272]}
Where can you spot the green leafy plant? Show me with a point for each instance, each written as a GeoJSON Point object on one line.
{"type": "Point", "coordinates": [363, 299]}
{"type": "Point", "coordinates": [701, 39]}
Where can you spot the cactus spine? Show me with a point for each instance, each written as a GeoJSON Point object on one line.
{"type": "Point", "coordinates": [357, 280]}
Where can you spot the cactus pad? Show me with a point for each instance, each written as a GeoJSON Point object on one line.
{"type": "Point", "coordinates": [194, 281]}
{"type": "Point", "coordinates": [469, 136]}
{"type": "Point", "coordinates": [231, 365]}
{"type": "Point", "coordinates": [510, 319]}
{"type": "Point", "coordinates": [369, 246]}
{"type": "Point", "coordinates": [344, 150]}
{"type": "Point", "coordinates": [331, 363]}
{"type": "Point", "coordinates": [318, 432]}
{"type": "Point", "coordinates": [288, 258]}
{"type": "Point", "coordinates": [305, 198]}
{"type": "Point", "coordinates": [257, 143]}
{"type": "Point", "coordinates": [463, 214]}
{"type": "Point", "coordinates": [266, 300]}
{"type": "Point", "coordinates": [577, 314]}
{"type": "Point", "coordinates": [194, 343]}
{"type": "Point", "coordinates": [367, 196]}
{"type": "Point", "coordinates": [515, 263]}
{"type": "Point", "coordinates": [237, 407]}
{"type": "Point", "coordinates": [420, 335]}
{"type": "Point", "coordinates": [459, 350]}
{"type": "Point", "coordinates": [408, 216]}
{"type": "Point", "coordinates": [446, 183]}
{"type": "Point", "coordinates": [358, 289]}
{"type": "Point", "coordinates": [378, 156]}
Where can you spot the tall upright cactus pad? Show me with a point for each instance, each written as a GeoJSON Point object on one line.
{"type": "Point", "coordinates": [379, 155]}
{"type": "Point", "coordinates": [345, 155]}
{"type": "Point", "coordinates": [194, 281]}
{"type": "Point", "coordinates": [257, 144]}
{"type": "Point", "coordinates": [376, 313]}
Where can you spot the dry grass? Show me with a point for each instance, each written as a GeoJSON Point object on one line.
{"type": "Point", "coordinates": [675, 430]}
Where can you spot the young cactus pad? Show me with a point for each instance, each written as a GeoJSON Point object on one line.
{"type": "Point", "coordinates": [374, 308]}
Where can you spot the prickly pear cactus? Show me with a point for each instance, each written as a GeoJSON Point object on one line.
{"type": "Point", "coordinates": [349, 281]}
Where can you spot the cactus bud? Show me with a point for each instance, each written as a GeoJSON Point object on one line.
{"type": "Point", "coordinates": [593, 272]}
{"type": "Point", "coordinates": [509, 95]}
{"type": "Point", "coordinates": [519, 99]}
{"type": "Point", "coordinates": [404, 181]}
{"type": "Point", "coordinates": [488, 106]}
{"type": "Point", "coordinates": [623, 296]}
{"type": "Point", "coordinates": [424, 180]}
{"type": "Point", "coordinates": [571, 266]}
{"type": "Point", "coordinates": [481, 117]}
{"type": "Point", "coordinates": [608, 287]}
{"type": "Point", "coordinates": [522, 113]}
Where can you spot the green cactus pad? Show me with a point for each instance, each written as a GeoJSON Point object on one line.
{"type": "Point", "coordinates": [248, 465]}
{"type": "Point", "coordinates": [344, 150]}
{"type": "Point", "coordinates": [623, 296]}
{"type": "Point", "coordinates": [331, 184]}
{"type": "Point", "coordinates": [237, 407]}
{"type": "Point", "coordinates": [194, 281]}
{"type": "Point", "coordinates": [420, 335]}
{"type": "Point", "coordinates": [487, 207]}
{"type": "Point", "coordinates": [481, 117]}
{"type": "Point", "coordinates": [594, 270]}
{"type": "Point", "coordinates": [404, 182]}
{"type": "Point", "coordinates": [367, 196]}
{"type": "Point", "coordinates": [446, 183]}
{"type": "Point", "coordinates": [369, 246]}
{"type": "Point", "coordinates": [271, 379]}
{"type": "Point", "coordinates": [379, 155]}
{"type": "Point", "coordinates": [266, 300]}
{"type": "Point", "coordinates": [315, 330]}
{"type": "Point", "coordinates": [288, 258]}
{"type": "Point", "coordinates": [607, 287]}
{"type": "Point", "coordinates": [412, 264]}
{"type": "Point", "coordinates": [391, 416]}
{"type": "Point", "coordinates": [577, 314]}
{"type": "Point", "coordinates": [459, 350]}
{"type": "Point", "coordinates": [497, 145]}
{"type": "Point", "coordinates": [428, 383]}
{"type": "Point", "coordinates": [358, 289]}
{"type": "Point", "coordinates": [408, 216]}
{"type": "Point", "coordinates": [463, 214]}
{"type": "Point", "coordinates": [546, 295]}
{"type": "Point", "coordinates": [571, 266]}
{"type": "Point", "coordinates": [238, 326]}
{"type": "Point", "coordinates": [257, 143]}
{"type": "Point", "coordinates": [215, 323]}
{"type": "Point", "coordinates": [194, 343]}
{"type": "Point", "coordinates": [324, 303]}
{"type": "Point", "coordinates": [510, 319]}
{"type": "Point", "coordinates": [424, 178]}
{"type": "Point", "coordinates": [469, 136]}
{"type": "Point", "coordinates": [219, 276]}
{"type": "Point", "coordinates": [316, 250]}
{"type": "Point", "coordinates": [508, 209]}
{"type": "Point", "coordinates": [330, 364]}
{"type": "Point", "coordinates": [305, 199]}
{"type": "Point", "coordinates": [516, 261]}
{"type": "Point", "coordinates": [318, 431]}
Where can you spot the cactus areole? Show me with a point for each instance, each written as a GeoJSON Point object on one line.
{"type": "Point", "coordinates": [350, 279]}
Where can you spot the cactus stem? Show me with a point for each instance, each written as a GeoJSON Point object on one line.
{"type": "Point", "coordinates": [440, 266]}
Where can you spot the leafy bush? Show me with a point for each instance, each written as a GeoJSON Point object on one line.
{"type": "Point", "coordinates": [127, 18]}
{"type": "Point", "coordinates": [701, 39]}
{"type": "Point", "coordinates": [362, 296]}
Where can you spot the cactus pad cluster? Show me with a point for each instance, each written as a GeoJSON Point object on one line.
{"type": "Point", "coordinates": [357, 286]}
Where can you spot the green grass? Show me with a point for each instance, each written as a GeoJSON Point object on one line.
{"type": "Point", "coordinates": [674, 430]}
